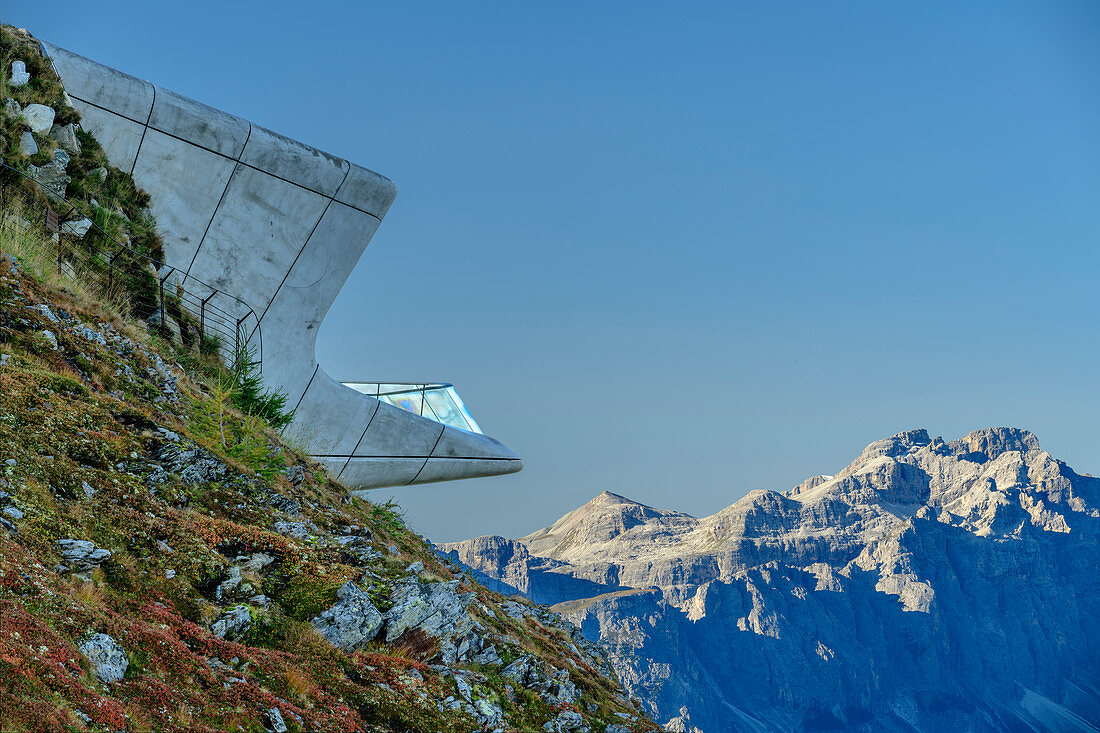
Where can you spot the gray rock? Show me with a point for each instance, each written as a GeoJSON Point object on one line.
{"type": "Point", "coordinates": [194, 465]}
{"type": "Point", "coordinates": [65, 135]}
{"type": "Point", "coordinates": [258, 562]}
{"type": "Point", "coordinates": [230, 584]}
{"type": "Point", "coordinates": [415, 568]}
{"type": "Point", "coordinates": [27, 145]}
{"type": "Point", "coordinates": [616, 728]}
{"type": "Point", "coordinates": [567, 720]}
{"type": "Point", "coordinates": [12, 108]}
{"type": "Point", "coordinates": [489, 712]}
{"type": "Point", "coordinates": [39, 118]}
{"type": "Point", "coordinates": [78, 228]}
{"type": "Point", "coordinates": [232, 624]}
{"type": "Point", "coordinates": [107, 658]}
{"type": "Point", "coordinates": [99, 174]}
{"type": "Point", "coordinates": [49, 338]}
{"type": "Point", "coordinates": [166, 324]}
{"type": "Point", "coordinates": [352, 622]}
{"type": "Point", "coordinates": [13, 512]}
{"type": "Point", "coordinates": [436, 609]}
{"type": "Point", "coordinates": [81, 554]}
{"type": "Point", "coordinates": [52, 176]}
{"type": "Point", "coordinates": [275, 720]}
{"type": "Point", "coordinates": [4, 359]}
{"type": "Point", "coordinates": [553, 686]}
{"type": "Point", "coordinates": [19, 75]}
{"type": "Point", "coordinates": [87, 489]}
{"type": "Point", "coordinates": [297, 530]}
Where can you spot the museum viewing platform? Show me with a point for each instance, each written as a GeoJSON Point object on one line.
{"type": "Point", "coordinates": [435, 401]}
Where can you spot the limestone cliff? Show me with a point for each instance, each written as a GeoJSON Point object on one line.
{"type": "Point", "coordinates": [929, 585]}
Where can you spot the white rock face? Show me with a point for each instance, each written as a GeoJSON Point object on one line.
{"type": "Point", "coordinates": [39, 118]}
{"type": "Point", "coordinates": [78, 227]}
{"type": "Point", "coordinates": [929, 585]}
{"type": "Point", "coordinates": [19, 75]}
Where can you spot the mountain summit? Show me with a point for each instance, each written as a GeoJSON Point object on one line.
{"type": "Point", "coordinates": [928, 585]}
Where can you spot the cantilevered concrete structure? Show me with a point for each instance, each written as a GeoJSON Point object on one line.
{"type": "Point", "coordinates": [280, 225]}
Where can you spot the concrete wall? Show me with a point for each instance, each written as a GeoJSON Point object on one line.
{"type": "Point", "coordinates": [280, 225]}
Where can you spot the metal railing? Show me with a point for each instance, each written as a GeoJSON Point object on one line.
{"type": "Point", "coordinates": [208, 319]}
{"type": "Point", "coordinates": [436, 401]}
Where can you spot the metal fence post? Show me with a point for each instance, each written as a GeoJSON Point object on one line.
{"type": "Point", "coordinates": [240, 347]}
{"type": "Point", "coordinates": [202, 319]}
{"type": "Point", "coordinates": [84, 261]}
{"type": "Point", "coordinates": [160, 290]}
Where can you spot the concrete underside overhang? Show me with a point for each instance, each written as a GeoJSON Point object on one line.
{"type": "Point", "coordinates": [280, 225]}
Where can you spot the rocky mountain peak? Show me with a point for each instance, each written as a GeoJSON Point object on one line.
{"type": "Point", "coordinates": [604, 518]}
{"type": "Point", "coordinates": [987, 444]}
{"type": "Point", "coordinates": [926, 586]}
{"type": "Point", "coordinates": [608, 498]}
{"type": "Point", "coordinates": [892, 447]}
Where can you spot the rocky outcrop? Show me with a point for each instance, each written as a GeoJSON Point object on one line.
{"type": "Point", "coordinates": [81, 554]}
{"type": "Point", "coordinates": [53, 175]}
{"type": "Point", "coordinates": [107, 657]}
{"type": "Point", "coordinates": [552, 685]}
{"type": "Point", "coordinates": [352, 622]}
{"type": "Point", "coordinates": [39, 118]}
{"type": "Point", "coordinates": [929, 585]}
{"type": "Point", "coordinates": [233, 623]}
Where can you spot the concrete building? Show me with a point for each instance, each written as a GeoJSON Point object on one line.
{"type": "Point", "coordinates": [280, 225]}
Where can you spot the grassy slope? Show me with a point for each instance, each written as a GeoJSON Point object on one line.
{"type": "Point", "coordinates": [89, 413]}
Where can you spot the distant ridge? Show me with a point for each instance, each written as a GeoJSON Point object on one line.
{"type": "Point", "coordinates": [928, 585]}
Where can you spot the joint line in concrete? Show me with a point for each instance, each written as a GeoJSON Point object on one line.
{"type": "Point", "coordinates": [221, 198]}
{"type": "Point", "coordinates": [429, 456]}
{"type": "Point", "coordinates": [322, 194]}
{"type": "Point", "coordinates": [308, 384]}
{"type": "Point", "coordinates": [144, 129]}
{"type": "Point", "coordinates": [377, 405]}
{"type": "Point", "coordinates": [303, 249]}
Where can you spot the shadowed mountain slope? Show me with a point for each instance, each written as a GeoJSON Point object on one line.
{"type": "Point", "coordinates": [929, 585]}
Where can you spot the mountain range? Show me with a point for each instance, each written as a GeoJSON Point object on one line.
{"type": "Point", "coordinates": [929, 585]}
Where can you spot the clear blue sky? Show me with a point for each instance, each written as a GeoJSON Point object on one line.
{"type": "Point", "coordinates": [682, 252]}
